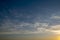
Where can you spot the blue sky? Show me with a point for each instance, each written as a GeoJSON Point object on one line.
{"type": "Point", "coordinates": [29, 16]}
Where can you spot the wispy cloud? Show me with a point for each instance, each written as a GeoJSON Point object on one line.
{"type": "Point", "coordinates": [23, 27]}
{"type": "Point", "coordinates": [55, 17]}
{"type": "Point", "coordinates": [29, 19]}
{"type": "Point", "coordinates": [9, 27]}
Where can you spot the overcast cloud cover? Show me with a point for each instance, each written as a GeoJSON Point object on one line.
{"type": "Point", "coordinates": [29, 16]}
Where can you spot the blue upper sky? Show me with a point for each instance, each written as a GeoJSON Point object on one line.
{"type": "Point", "coordinates": [29, 16]}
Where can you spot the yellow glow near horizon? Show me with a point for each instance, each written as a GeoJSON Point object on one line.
{"type": "Point", "coordinates": [58, 38]}
{"type": "Point", "coordinates": [58, 34]}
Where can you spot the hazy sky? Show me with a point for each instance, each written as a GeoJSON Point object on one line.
{"type": "Point", "coordinates": [29, 17]}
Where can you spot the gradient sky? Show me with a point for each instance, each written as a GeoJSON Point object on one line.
{"type": "Point", "coordinates": [30, 17]}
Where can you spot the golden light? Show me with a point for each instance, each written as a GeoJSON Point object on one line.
{"type": "Point", "coordinates": [57, 32]}
{"type": "Point", "coordinates": [58, 38]}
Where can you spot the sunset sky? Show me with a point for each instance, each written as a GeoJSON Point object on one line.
{"type": "Point", "coordinates": [28, 18]}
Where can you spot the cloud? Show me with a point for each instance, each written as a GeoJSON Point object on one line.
{"type": "Point", "coordinates": [55, 27]}
{"type": "Point", "coordinates": [9, 27]}
{"type": "Point", "coordinates": [55, 17]}
{"type": "Point", "coordinates": [39, 30]}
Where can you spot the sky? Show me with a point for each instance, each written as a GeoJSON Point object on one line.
{"type": "Point", "coordinates": [40, 17]}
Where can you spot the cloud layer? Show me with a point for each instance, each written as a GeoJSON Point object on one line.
{"type": "Point", "coordinates": [29, 17]}
{"type": "Point", "coordinates": [9, 27]}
